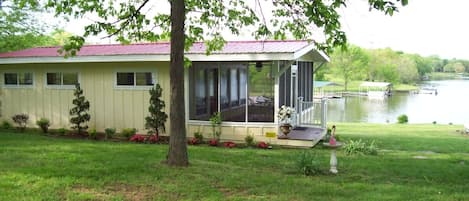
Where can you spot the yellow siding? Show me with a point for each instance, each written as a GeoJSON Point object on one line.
{"type": "Point", "coordinates": [237, 132]}
{"type": "Point", "coordinates": [110, 106]}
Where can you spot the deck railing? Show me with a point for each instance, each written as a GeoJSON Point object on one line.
{"type": "Point", "coordinates": [312, 113]}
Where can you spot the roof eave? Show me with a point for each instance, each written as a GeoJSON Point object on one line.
{"type": "Point", "coordinates": [158, 57]}
{"type": "Point", "coordinates": [310, 53]}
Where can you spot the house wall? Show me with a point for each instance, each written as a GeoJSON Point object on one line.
{"type": "Point", "coordinates": [111, 106]}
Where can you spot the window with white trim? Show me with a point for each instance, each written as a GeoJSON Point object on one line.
{"type": "Point", "coordinates": [18, 79]}
{"type": "Point", "coordinates": [134, 79]}
{"type": "Point", "coordinates": [61, 78]}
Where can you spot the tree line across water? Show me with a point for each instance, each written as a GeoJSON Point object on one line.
{"type": "Point", "coordinates": [386, 65]}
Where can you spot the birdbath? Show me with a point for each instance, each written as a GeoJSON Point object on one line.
{"type": "Point", "coordinates": [333, 148]}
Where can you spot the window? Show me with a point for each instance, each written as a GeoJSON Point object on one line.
{"type": "Point", "coordinates": [134, 79]}
{"type": "Point", "coordinates": [218, 87]}
{"type": "Point", "coordinates": [18, 79]}
{"type": "Point", "coordinates": [62, 79]}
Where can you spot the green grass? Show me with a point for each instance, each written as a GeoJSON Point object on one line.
{"type": "Point", "coordinates": [34, 167]}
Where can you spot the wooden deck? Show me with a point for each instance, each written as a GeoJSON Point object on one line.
{"type": "Point", "coordinates": [302, 137]}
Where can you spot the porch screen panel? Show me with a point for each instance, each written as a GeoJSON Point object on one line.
{"type": "Point", "coordinates": [261, 93]}
{"type": "Point", "coordinates": [305, 80]}
{"type": "Point", "coordinates": [199, 99]}
{"type": "Point", "coordinates": [285, 88]}
{"type": "Point", "coordinates": [233, 92]}
{"type": "Point", "coordinates": [224, 88]}
{"type": "Point", "coordinates": [217, 87]}
{"type": "Point", "coordinates": [212, 90]}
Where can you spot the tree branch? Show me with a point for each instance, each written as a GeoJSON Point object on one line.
{"type": "Point", "coordinates": [127, 21]}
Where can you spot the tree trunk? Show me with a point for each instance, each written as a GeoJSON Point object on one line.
{"type": "Point", "coordinates": [177, 154]}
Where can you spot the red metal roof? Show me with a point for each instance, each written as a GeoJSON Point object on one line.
{"type": "Point", "coordinates": [162, 48]}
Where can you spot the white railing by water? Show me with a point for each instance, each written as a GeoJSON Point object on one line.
{"type": "Point", "coordinates": [312, 113]}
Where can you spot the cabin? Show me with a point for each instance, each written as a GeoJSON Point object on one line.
{"type": "Point", "coordinates": [246, 81]}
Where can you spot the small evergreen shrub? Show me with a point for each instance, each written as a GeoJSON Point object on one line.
{"type": "Point", "coordinates": [44, 124]}
{"type": "Point", "coordinates": [92, 134]}
{"type": "Point", "coordinates": [21, 120]}
{"type": "Point", "coordinates": [157, 117]}
{"type": "Point", "coordinates": [361, 147]}
{"type": "Point", "coordinates": [79, 113]}
{"type": "Point", "coordinates": [109, 133]}
{"type": "Point", "coordinates": [402, 119]}
{"type": "Point", "coordinates": [249, 140]}
{"type": "Point", "coordinates": [6, 124]}
{"type": "Point", "coordinates": [307, 163]}
{"type": "Point", "coordinates": [128, 132]}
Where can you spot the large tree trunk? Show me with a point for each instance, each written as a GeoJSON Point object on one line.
{"type": "Point", "coordinates": [177, 155]}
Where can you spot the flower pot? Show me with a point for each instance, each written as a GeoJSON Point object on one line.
{"type": "Point", "coordinates": [285, 128]}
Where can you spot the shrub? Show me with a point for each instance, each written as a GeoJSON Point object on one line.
{"type": "Point", "coordinates": [262, 145]}
{"type": "Point", "coordinates": [360, 147]}
{"type": "Point", "coordinates": [153, 139]}
{"type": "Point", "coordinates": [62, 131]}
{"type": "Point", "coordinates": [109, 132]}
{"type": "Point", "coordinates": [92, 133]}
{"type": "Point", "coordinates": [128, 132]}
{"type": "Point", "coordinates": [137, 138]}
{"type": "Point", "coordinates": [6, 124]}
{"type": "Point", "coordinates": [157, 117]}
{"type": "Point", "coordinates": [229, 144]}
{"type": "Point", "coordinates": [21, 120]}
{"type": "Point", "coordinates": [215, 121]}
{"type": "Point", "coordinates": [402, 119]}
{"type": "Point", "coordinates": [249, 139]}
{"type": "Point", "coordinates": [213, 142]}
{"type": "Point", "coordinates": [79, 113]}
{"type": "Point", "coordinates": [193, 141]}
{"type": "Point", "coordinates": [308, 163]}
{"type": "Point", "coordinates": [199, 136]}
{"type": "Point", "coordinates": [44, 124]}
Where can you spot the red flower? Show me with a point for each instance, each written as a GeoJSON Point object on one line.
{"type": "Point", "coordinates": [194, 141]}
{"type": "Point", "coordinates": [137, 138]}
{"type": "Point", "coordinates": [153, 139]}
{"type": "Point", "coordinates": [262, 145]}
{"type": "Point", "coordinates": [229, 144]}
{"type": "Point", "coordinates": [213, 142]}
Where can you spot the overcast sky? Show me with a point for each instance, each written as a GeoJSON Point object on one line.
{"type": "Point", "coordinates": [426, 27]}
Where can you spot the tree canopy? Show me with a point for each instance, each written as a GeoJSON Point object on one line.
{"type": "Point", "coordinates": [19, 27]}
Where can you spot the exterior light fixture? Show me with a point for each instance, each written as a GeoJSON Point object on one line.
{"type": "Point", "coordinates": [259, 66]}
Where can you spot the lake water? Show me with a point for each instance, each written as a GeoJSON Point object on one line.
{"type": "Point", "coordinates": [450, 105]}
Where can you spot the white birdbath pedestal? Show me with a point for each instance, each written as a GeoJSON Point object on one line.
{"type": "Point", "coordinates": [333, 155]}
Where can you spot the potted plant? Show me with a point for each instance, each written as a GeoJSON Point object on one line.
{"type": "Point", "coordinates": [284, 115]}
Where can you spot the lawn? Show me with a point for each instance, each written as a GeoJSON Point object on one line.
{"type": "Point", "coordinates": [415, 162]}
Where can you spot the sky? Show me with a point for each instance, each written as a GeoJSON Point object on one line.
{"type": "Point", "coordinates": [425, 27]}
